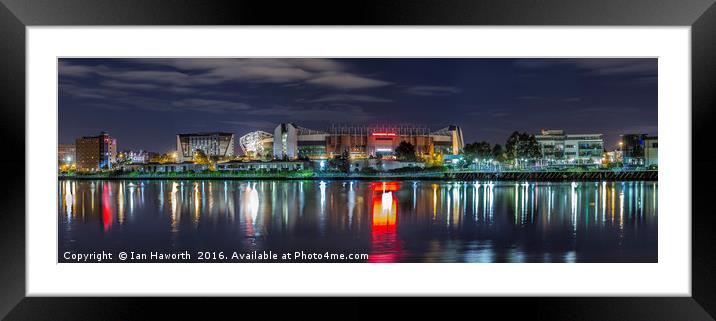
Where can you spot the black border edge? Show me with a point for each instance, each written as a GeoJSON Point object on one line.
{"type": "Point", "coordinates": [366, 12]}
{"type": "Point", "coordinates": [703, 108]}
{"type": "Point", "coordinates": [449, 12]}
{"type": "Point", "coordinates": [12, 129]}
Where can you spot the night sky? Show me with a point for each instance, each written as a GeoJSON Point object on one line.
{"type": "Point", "coordinates": [144, 103]}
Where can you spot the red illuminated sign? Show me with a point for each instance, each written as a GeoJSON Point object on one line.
{"type": "Point", "coordinates": [384, 134]}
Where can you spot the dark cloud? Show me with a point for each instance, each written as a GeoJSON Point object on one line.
{"type": "Point", "coordinates": [529, 98]}
{"type": "Point", "coordinates": [65, 69]}
{"type": "Point", "coordinates": [347, 81]}
{"type": "Point", "coordinates": [90, 92]}
{"type": "Point", "coordinates": [349, 98]}
{"type": "Point", "coordinates": [258, 124]}
{"type": "Point", "coordinates": [432, 90]}
{"type": "Point", "coordinates": [189, 72]}
{"type": "Point", "coordinates": [340, 113]}
{"type": "Point", "coordinates": [130, 85]}
{"type": "Point", "coordinates": [597, 66]}
{"type": "Point", "coordinates": [211, 105]}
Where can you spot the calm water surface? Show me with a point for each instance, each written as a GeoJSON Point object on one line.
{"type": "Point", "coordinates": [391, 221]}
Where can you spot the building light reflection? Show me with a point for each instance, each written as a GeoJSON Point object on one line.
{"type": "Point", "coordinates": [106, 207]}
{"type": "Point", "coordinates": [385, 246]}
{"type": "Point", "coordinates": [173, 199]}
{"type": "Point", "coordinates": [351, 203]}
{"type": "Point", "coordinates": [435, 201]}
{"type": "Point", "coordinates": [120, 205]}
{"type": "Point", "coordinates": [69, 194]}
{"type": "Point", "coordinates": [574, 209]}
{"type": "Point", "coordinates": [197, 213]}
{"type": "Point", "coordinates": [131, 198]}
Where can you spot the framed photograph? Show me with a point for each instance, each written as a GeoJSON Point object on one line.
{"type": "Point", "coordinates": [508, 153]}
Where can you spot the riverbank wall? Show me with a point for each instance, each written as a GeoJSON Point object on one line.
{"type": "Point", "coordinates": [558, 176]}
{"type": "Point", "coordinates": [450, 176]}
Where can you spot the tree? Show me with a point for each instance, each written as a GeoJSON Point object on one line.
{"type": "Point", "coordinates": [345, 162]}
{"type": "Point", "coordinates": [432, 160]}
{"type": "Point", "coordinates": [522, 146]}
{"type": "Point", "coordinates": [68, 168]}
{"type": "Point", "coordinates": [470, 151]}
{"type": "Point", "coordinates": [201, 158]}
{"type": "Point", "coordinates": [162, 159]}
{"type": "Point", "coordinates": [406, 151]}
{"type": "Point", "coordinates": [341, 162]}
{"type": "Point", "coordinates": [498, 153]}
{"type": "Point", "coordinates": [511, 146]}
{"type": "Point", "coordinates": [530, 148]}
{"type": "Point", "coordinates": [478, 150]}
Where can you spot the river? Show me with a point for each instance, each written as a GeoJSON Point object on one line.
{"type": "Point", "coordinates": [390, 221]}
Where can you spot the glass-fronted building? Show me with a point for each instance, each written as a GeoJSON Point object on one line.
{"type": "Point", "coordinates": [217, 145]}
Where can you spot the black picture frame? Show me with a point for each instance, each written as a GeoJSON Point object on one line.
{"type": "Point", "coordinates": [16, 15]}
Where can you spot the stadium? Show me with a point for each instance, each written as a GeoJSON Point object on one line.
{"type": "Point", "coordinates": [291, 141]}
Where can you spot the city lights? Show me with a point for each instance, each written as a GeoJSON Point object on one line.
{"type": "Point", "coordinates": [401, 160]}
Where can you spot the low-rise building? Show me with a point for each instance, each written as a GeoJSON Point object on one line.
{"type": "Point", "coordinates": [66, 154]}
{"type": "Point", "coordinates": [136, 156]}
{"type": "Point", "coordinates": [383, 164]}
{"type": "Point", "coordinates": [230, 166]}
{"type": "Point", "coordinates": [560, 148]}
{"type": "Point", "coordinates": [165, 168]}
{"type": "Point", "coordinates": [639, 150]}
{"type": "Point", "coordinates": [651, 151]}
{"type": "Point", "coordinates": [259, 165]}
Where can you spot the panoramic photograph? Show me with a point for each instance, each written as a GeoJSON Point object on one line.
{"type": "Point", "coordinates": [357, 160]}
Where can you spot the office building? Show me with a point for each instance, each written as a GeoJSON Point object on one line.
{"type": "Point", "coordinates": [561, 148]}
{"type": "Point", "coordinates": [95, 152]}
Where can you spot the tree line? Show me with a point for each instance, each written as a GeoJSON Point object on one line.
{"type": "Point", "coordinates": [518, 146]}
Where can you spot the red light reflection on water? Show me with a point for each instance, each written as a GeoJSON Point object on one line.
{"type": "Point", "coordinates": [106, 207]}
{"type": "Point", "coordinates": [384, 241]}
{"type": "Point", "coordinates": [384, 187]}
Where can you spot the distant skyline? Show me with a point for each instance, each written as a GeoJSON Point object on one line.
{"type": "Point", "coordinates": [145, 102]}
